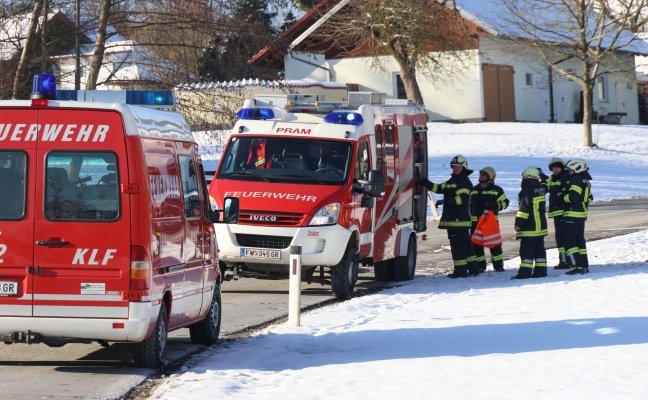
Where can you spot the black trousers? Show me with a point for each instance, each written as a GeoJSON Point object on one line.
{"type": "Point", "coordinates": [575, 245]}
{"type": "Point", "coordinates": [559, 227]}
{"type": "Point", "coordinates": [461, 248]}
{"type": "Point", "coordinates": [532, 249]}
{"type": "Point", "coordinates": [497, 255]}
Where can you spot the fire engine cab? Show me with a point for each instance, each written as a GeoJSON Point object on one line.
{"type": "Point", "coordinates": [336, 178]}
{"type": "Point", "coordinates": [106, 232]}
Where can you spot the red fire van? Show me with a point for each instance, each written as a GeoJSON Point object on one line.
{"type": "Point", "coordinates": [106, 232]}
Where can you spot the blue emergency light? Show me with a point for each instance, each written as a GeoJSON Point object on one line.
{"type": "Point", "coordinates": [44, 87]}
{"type": "Point", "coordinates": [255, 113]}
{"type": "Point", "coordinates": [344, 117]}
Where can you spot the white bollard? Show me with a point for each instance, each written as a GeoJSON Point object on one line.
{"type": "Point", "coordinates": [294, 292]}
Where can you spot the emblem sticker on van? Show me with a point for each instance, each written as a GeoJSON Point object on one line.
{"type": "Point", "coordinates": [93, 288]}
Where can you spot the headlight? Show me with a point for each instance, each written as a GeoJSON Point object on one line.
{"type": "Point", "coordinates": [212, 203]}
{"type": "Point", "coordinates": [327, 215]}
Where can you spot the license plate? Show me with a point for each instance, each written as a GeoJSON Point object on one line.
{"type": "Point", "coordinates": [8, 288]}
{"type": "Point", "coordinates": [261, 253]}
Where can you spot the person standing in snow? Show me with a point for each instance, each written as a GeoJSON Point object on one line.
{"type": "Point", "coordinates": [486, 195]}
{"type": "Point", "coordinates": [455, 217]}
{"type": "Point", "coordinates": [576, 197]}
{"type": "Point", "coordinates": [531, 226]}
{"type": "Point", "coordinates": [556, 183]}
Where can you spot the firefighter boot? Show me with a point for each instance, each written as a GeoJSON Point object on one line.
{"type": "Point", "coordinates": [473, 269]}
{"type": "Point", "coordinates": [576, 271]}
{"type": "Point", "coordinates": [523, 273]}
{"type": "Point", "coordinates": [498, 266]}
{"type": "Point", "coordinates": [539, 272]}
{"type": "Point", "coordinates": [562, 265]}
{"type": "Point", "coordinates": [459, 272]}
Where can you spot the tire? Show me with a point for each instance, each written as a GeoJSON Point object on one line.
{"type": "Point", "coordinates": [384, 270]}
{"type": "Point", "coordinates": [207, 331]}
{"type": "Point", "coordinates": [344, 275]}
{"type": "Point", "coordinates": [405, 266]}
{"type": "Point", "coordinates": [151, 352]}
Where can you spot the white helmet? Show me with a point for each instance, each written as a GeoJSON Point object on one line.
{"type": "Point", "coordinates": [577, 165]}
{"type": "Point", "coordinates": [530, 173]}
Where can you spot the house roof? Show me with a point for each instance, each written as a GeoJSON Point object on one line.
{"type": "Point", "coordinates": [484, 14]}
{"type": "Point", "coordinates": [298, 36]}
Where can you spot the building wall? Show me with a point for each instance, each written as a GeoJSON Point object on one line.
{"type": "Point", "coordinates": [459, 100]}
{"type": "Point", "coordinates": [462, 98]}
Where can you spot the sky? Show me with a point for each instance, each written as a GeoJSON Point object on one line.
{"type": "Point", "coordinates": [490, 337]}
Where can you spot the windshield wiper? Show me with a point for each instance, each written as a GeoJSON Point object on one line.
{"type": "Point", "coordinates": [246, 174]}
{"type": "Point", "coordinates": [299, 177]}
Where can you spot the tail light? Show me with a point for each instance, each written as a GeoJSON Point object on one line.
{"type": "Point", "coordinates": [140, 270]}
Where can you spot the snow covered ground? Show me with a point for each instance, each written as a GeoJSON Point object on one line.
{"type": "Point", "coordinates": [561, 337]}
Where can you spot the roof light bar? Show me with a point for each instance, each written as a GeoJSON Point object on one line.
{"type": "Point", "coordinates": [255, 113]}
{"type": "Point", "coordinates": [344, 117]}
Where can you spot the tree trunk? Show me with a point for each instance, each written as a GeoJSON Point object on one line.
{"type": "Point", "coordinates": [411, 84]}
{"type": "Point", "coordinates": [587, 115]}
{"type": "Point", "coordinates": [100, 46]}
{"type": "Point", "coordinates": [33, 24]}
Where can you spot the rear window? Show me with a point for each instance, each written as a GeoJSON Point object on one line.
{"type": "Point", "coordinates": [13, 170]}
{"type": "Point", "coordinates": [81, 186]}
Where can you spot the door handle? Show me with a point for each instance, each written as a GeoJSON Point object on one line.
{"type": "Point", "coordinates": [30, 270]}
{"type": "Point", "coordinates": [52, 243]}
{"type": "Point", "coordinates": [37, 270]}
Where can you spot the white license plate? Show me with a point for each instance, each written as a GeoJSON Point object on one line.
{"type": "Point", "coordinates": [261, 253]}
{"type": "Point", "coordinates": [8, 288]}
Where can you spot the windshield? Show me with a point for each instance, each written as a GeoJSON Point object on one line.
{"type": "Point", "coordinates": [292, 160]}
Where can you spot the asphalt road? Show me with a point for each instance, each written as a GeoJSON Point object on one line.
{"type": "Point", "coordinates": [78, 371]}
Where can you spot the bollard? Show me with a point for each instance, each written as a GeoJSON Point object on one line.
{"type": "Point", "coordinates": [294, 292]}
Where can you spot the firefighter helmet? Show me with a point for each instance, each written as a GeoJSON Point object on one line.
{"type": "Point", "coordinates": [577, 165]}
{"type": "Point", "coordinates": [556, 162]}
{"type": "Point", "coordinates": [459, 160]}
{"type": "Point", "coordinates": [530, 173]}
{"type": "Point", "coordinates": [490, 172]}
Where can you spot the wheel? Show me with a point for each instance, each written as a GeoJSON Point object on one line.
{"type": "Point", "coordinates": [150, 353]}
{"type": "Point", "coordinates": [344, 275]}
{"type": "Point", "coordinates": [206, 331]}
{"type": "Point", "coordinates": [384, 270]}
{"type": "Point", "coordinates": [405, 266]}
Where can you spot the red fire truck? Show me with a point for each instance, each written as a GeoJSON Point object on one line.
{"type": "Point", "coordinates": [106, 232]}
{"type": "Point", "coordinates": [336, 178]}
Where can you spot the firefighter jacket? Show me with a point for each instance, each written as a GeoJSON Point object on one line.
{"type": "Point", "coordinates": [530, 217]}
{"type": "Point", "coordinates": [577, 195]}
{"type": "Point", "coordinates": [456, 197]}
{"type": "Point", "coordinates": [556, 184]}
{"type": "Point", "coordinates": [491, 197]}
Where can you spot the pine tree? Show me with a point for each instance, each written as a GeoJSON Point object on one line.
{"type": "Point", "coordinates": [246, 30]}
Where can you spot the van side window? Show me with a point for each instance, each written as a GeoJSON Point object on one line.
{"type": "Point", "coordinates": [13, 171]}
{"type": "Point", "coordinates": [81, 186]}
{"type": "Point", "coordinates": [362, 166]}
{"type": "Point", "coordinates": [190, 191]}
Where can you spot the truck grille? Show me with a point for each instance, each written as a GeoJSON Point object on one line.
{"type": "Point", "coordinates": [265, 218]}
{"type": "Point", "coordinates": [262, 241]}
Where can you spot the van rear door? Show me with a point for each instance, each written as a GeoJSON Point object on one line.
{"type": "Point", "coordinates": [82, 230]}
{"type": "Point", "coordinates": [17, 185]}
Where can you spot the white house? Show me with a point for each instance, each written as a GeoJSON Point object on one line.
{"type": "Point", "coordinates": [504, 83]}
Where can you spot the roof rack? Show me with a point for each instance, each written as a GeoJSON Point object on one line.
{"type": "Point", "coordinates": [312, 103]}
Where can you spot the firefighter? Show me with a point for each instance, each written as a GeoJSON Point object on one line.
{"type": "Point", "coordinates": [576, 196]}
{"type": "Point", "coordinates": [531, 226]}
{"type": "Point", "coordinates": [486, 195]}
{"type": "Point", "coordinates": [456, 216]}
{"type": "Point", "coordinates": [555, 184]}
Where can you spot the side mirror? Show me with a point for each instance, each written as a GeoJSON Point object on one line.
{"type": "Point", "coordinates": [376, 183]}
{"type": "Point", "coordinates": [231, 210]}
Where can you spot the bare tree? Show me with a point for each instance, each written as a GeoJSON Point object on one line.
{"type": "Point", "coordinates": [594, 33]}
{"type": "Point", "coordinates": [31, 33]}
{"type": "Point", "coordinates": [422, 36]}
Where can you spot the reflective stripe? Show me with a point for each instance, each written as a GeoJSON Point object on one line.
{"type": "Point", "coordinates": [521, 214]}
{"type": "Point", "coordinates": [542, 232]}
